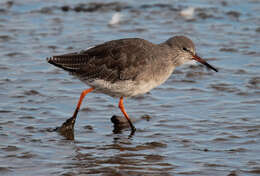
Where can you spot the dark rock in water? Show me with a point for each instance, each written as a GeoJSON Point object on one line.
{"type": "Point", "coordinates": [9, 4]}
{"type": "Point", "coordinates": [254, 83]}
{"type": "Point", "coordinates": [93, 7]}
{"type": "Point", "coordinates": [166, 6]}
{"type": "Point", "coordinates": [146, 117]}
{"type": "Point", "coordinates": [3, 10]}
{"type": "Point", "coordinates": [47, 10]}
{"type": "Point", "coordinates": [232, 173]}
{"type": "Point", "coordinates": [5, 170]}
{"type": "Point", "coordinates": [5, 38]}
{"type": "Point", "coordinates": [257, 29]}
{"type": "Point", "coordinates": [228, 49]}
{"type": "Point", "coordinates": [86, 7]}
{"type": "Point", "coordinates": [31, 92]}
{"type": "Point", "coordinates": [233, 14]}
{"type": "Point", "coordinates": [119, 121]}
{"type": "Point", "coordinates": [65, 8]}
{"type": "Point", "coordinates": [224, 3]}
{"type": "Point", "coordinates": [111, 6]}
{"type": "Point", "coordinates": [204, 15]}
{"type": "Point", "coordinates": [88, 127]}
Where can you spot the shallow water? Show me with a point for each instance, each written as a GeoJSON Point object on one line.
{"type": "Point", "coordinates": [202, 122]}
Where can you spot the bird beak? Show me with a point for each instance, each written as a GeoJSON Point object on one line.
{"type": "Point", "coordinates": [197, 58]}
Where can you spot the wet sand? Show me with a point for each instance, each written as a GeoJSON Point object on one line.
{"type": "Point", "coordinates": [200, 122]}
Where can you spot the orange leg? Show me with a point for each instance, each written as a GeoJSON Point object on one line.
{"type": "Point", "coordinates": [83, 94]}
{"type": "Point", "coordinates": [121, 106]}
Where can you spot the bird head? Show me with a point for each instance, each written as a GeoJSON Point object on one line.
{"type": "Point", "coordinates": [185, 50]}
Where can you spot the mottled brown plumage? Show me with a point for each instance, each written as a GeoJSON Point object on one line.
{"type": "Point", "coordinates": [112, 61]}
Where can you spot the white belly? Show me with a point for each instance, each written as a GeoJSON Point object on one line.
{"type": "Point", "coordinates": [129, 88]}
{"type": "Point", "coordinates": [122, 88]}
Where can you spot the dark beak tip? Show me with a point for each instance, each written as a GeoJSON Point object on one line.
{"type": "Point", "coordinates": [197, 58]}
{"type": "Point", "coordinates": [212, 68]}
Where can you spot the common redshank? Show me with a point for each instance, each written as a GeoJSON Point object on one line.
{"type": "Point", "coordinates": [127, 67]}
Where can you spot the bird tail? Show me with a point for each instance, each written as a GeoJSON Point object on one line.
{"type": "Point", "coordinates": [56, 62]}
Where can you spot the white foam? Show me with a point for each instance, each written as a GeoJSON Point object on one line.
{"type": "Point", "coordinates": [116, 18]}
{"type": "Point", "coordinates": [188, 13]}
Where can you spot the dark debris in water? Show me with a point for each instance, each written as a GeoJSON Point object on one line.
{"type": "Point", "coordinates": [224, 3]}
{"type": "Point", "coordinates": [10, 148]}
{"type": "Point", "coordinates": [5, 38]}
{"type": "Point", "coordinates": [106, 6]}
{"type": "Point", "coordinates": [96, 6]}
{"type": "Point", "coordinates": [204, 13]}
{"type": "Point", "coordinates": [232, 173]}
{"type": "Point", "coordinates": [159, 5]}
{"type": "Point", "coordinates": [224, 87]}
{"type": "Point", "coordinates": [31, 92]}
{"type": "Point", "coordinates": [9, 4]}
{"type": "Point", "coordinates": [4, 170]}
{"type": "Point", "coordinates": [88, 127]}
{"type": "Point", "coordinates": [254, 83]}
{"type": "Point", "coordinates": [228, 49]}
{"type": "Point", "coordinates": [233, 14]}
{"type": "Point", "coordinates": [257, 29]}
{"type": "Point", "coordinates": [146, 117]}
{"type": "Point", "coordinates": [3, 10]}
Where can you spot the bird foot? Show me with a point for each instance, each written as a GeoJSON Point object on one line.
{"type": "Point", "coordinates": [67, 128]}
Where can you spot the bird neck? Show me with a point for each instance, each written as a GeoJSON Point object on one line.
{"type": "Point", "coordinates": [174, 55]}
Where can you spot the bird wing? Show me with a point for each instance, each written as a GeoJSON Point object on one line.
{"type": "Point", "coordinates": [111, 61]}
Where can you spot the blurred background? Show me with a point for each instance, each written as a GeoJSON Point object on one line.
{"type": "Point", "coordinates": [202, 123]}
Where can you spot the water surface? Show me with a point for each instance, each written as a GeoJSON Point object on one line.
{"type": "Point", "coordinates": [202, 122]}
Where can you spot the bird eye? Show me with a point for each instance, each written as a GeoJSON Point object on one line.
{"type": "Point", "coordinates": [185, 49]}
